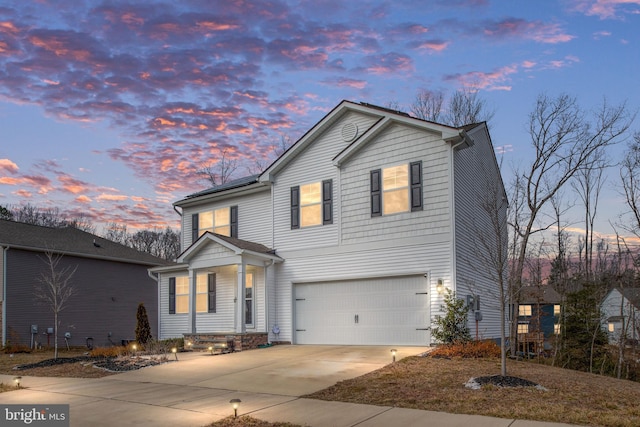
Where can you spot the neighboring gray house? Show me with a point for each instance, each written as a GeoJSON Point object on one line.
{"type": "Point", "coordinates": [109, 283]}
{"type": "Point", "coordinates": [350, 237]}
{"type": "Point", "coordinates": [621, 314]}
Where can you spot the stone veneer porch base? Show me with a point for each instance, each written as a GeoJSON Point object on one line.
{"type": "Point", "coordinates": [242, 341]}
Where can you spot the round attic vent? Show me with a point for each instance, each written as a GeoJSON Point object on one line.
{"type": "Point", "coordinates": [349, 132]}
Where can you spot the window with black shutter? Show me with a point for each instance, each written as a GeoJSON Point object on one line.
{"type": "Point", "coordinates": [415, 170]}
{"type": "Point", "coordinates": [212, 292]}
{"type": "Point", "coordinates": [376, 195]}
{"type": "Point", "coordinates": [234, 221]}
{"type": "Point", "coordinates": [172, 295]}
{"type": "Point", "coordinates": [194, 227]}
{"type": "Point", "coordinates": [327, 202]}
{"type": "Point", "coordinates": [295, 207]}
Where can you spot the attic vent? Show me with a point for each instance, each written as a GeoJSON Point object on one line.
{"type": "Point", "coordinates": [349, 132]}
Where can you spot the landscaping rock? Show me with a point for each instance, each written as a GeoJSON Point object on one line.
{"type": "Point", "coordinates": [501, 381]}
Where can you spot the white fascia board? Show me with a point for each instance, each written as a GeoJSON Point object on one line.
{"type": "Point", "coordinates": [169, 268]}
{"type": "Point", "coordinates": [222, 195]}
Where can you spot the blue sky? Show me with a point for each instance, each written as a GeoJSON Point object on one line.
{"type": "Point", "coordinates": [109, 108]}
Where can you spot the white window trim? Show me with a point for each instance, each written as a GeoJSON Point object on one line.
{"type": "Point", "coordinates": [384, 192]}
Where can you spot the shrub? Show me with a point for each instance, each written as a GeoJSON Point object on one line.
{"type": "Point", "coordinates": [143, 329]}
{"type": "Point", "coordinates": [108, 351]}
{"type": "Point", "coordinates": [467, 350]}
{"type": "Point", "coordinates": [452, 327]}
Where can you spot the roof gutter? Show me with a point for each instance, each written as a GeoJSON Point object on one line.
{"type": "Point", "coordinates": [175, 208]}
{"type": "Point", "coordinates": [4, 294]}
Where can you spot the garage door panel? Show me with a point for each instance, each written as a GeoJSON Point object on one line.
{"type": "Point", "coordinates": [374, 311]}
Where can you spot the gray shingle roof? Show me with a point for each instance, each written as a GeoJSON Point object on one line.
{"type": "Point", "coordinates": [245, 244]}
{"type": "Point", "coordinates": [70, 241]}
{"type": "Point", "coordinates": [240, 182]}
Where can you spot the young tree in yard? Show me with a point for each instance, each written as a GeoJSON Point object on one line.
{"type": "Point", "coordinates": [565, 139]}
{"type": "Point", "coordinates": [143, 330]}
{"type": "Point", "coordinates": [55, 290]}
{"type": "Point", "coordinates": [452, 327]}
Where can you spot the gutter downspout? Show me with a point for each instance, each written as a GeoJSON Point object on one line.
{"type": "Point", "coordinates": [157, 280]}
{"type": "Point", "coordinates": [4, 295]}
{"type": "Point", "coordinates": [464, 138]}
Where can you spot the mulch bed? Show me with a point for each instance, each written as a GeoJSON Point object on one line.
{"type": "Point", "coordinates": [111, 364]}
{"type": "Point", "coordinates": [500, 381]}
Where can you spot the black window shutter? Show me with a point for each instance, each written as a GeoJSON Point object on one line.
{"type": "Point", "coordinates": [211, 283]}
{"type": "Point", "coordinates": [172, 295]}
{"type": "Point", "coordinates": [194, 227]}
{"type": "Point", "coordinates": [376, 194]}
{"type": "Point", "coordinates": [416, 186]}
{"type": "Point", "coordinates": [295, 207]}
{"type": "Point", "coordinates": [327, 202]}
{"type": "Point", "coordinates": [234, 221]}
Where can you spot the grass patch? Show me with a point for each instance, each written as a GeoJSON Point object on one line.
{"type": "Point", "coordinates": [437, 384]}
{"type": "Point", "coordinates": [247, 421]}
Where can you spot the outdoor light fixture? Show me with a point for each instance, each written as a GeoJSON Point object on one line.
{"type": "Point", "coordinates": [235, 403]}
{"type": "Point", "coordinates": [134, 347]}
{"type": "Point", "coordinates": [211, 349]}
{"type": "Point", "coordinates": [175, 352]}
{"type": "Point", "coordinates": [440, 287]}
{"type": "Point", "coordinates": [393, 354]}
{"type": "Point", "coordinates": [17, 381]}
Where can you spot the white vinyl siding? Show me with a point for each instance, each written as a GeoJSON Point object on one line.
{"type": "Point", "coordinates": [254, 217]}
{"type": "Point", "coordinates": [314, 164]}
{"type": "Point", "coordinates": [171, 325]}
{"type": "Point", "coordinates": [476, 180]}
{"type": "Point", "coordinates": [394, 146]}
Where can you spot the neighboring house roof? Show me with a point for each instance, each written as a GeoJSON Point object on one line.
{"type": "Point", "coordinates": [70, 241]}
{"type": "Point", "coordinates": [539, 295]}
{"type": "Point", "coordinates": [237, 245]}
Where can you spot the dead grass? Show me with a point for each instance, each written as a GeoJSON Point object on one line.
{"type": "Point", "coordinates": [438, 385]}
{"type": "Point", "coordinates": [247, 421]}
{"type": "Point", "coordinates": [72, 370]}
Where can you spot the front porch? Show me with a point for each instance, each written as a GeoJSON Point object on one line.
{"type": "Point", "coordinates": [217, 341]}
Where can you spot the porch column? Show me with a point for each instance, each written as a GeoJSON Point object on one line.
{"type": "Point", "coordinates": [192, 301]}
{"type": "Point", "coordinates": [240, 325]}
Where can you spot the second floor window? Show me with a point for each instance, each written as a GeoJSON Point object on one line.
{"type": "Point", "coordinates": [524, 310]}
{"type": "Point", "coordinates": [312, 204]}
{"type": "Point", "coordinates": [396, 189]}
{"type": "Point", "coordinates": [222, 221]}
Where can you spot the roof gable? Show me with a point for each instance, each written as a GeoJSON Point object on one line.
{"type": "Point", "coordinates": [385, 118]}
{"type": "Point", "coordinates": [70, 241]}
{"type": "Point", "coordinates": [237, 246]}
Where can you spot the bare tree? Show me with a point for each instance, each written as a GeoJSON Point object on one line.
{"type": "Point", "coordinates": [428, 105]}
{"type": "Point", "coordinates": [588, 184]}
{"type": "Point", "coordinates": [116, 233]}
{"type": "Point", "coordinates": [55, 289]}
{"type": "Point", "coordinates": [464, 107]}
{"type": "Point", "coordinates": [5, 213]}
{"type": "Point", "coordinates": [565, 140]}
{"type": "Point", "coordinates": [630, 178]}
{"type": "Point", "coordinates": [219, 172]}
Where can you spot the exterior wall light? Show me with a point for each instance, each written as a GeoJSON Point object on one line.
{"type": "Point", "coordinates": [175, 352]}
{"type": "Point", "coordinates": [393, 354]}
{"type": "Point", "coordinates": [235, 403]}
{"type": "Point", "coordinates": [17, 380]}
{"type": "Point", "coordinates": [440, 287]}
{"type": "Point", "coordinates": [211, 349]}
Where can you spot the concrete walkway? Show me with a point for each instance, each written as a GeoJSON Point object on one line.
{"type": "Point", "coordinates": [197, 389]}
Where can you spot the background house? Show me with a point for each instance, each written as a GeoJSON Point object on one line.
{"type": "Point", "coordinates": [621, 315]}
{"type": "Point", "coordinates": [109, 282]}
{"type": "Point", "coordinates": [538, 318]}
{"type": "Point", "coordinates": [345, 239]}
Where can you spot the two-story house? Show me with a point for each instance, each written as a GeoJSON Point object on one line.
{"type": "Point", "coordinates": [350, 237]}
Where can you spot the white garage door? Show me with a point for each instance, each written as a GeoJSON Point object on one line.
{"type": "Point", "coordinates": [363, 312]}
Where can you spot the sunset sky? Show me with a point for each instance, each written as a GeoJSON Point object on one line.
{"type": "Point", "coordinates": [109, 108]}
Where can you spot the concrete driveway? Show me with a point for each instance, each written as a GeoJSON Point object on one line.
{"type": "Point", "coordinates": [196, 390]}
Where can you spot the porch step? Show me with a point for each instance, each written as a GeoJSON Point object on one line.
{"type": "Point", "coordinates": [215, 345]}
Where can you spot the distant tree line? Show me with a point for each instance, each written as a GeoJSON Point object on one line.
{"type": "Point", "coordinates": [163, 243]}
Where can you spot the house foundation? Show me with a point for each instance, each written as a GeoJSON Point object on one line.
{"type": "Point", "coordinates": [224, 342]}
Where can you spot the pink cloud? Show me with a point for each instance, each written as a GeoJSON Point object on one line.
{"type": "Point", "coordinates": [83, 199]}
{"type": "Point", "coordinates": [345, 82]}
{"type": "Point", "coordinates": [388, 63]}
{"type": "Point", "coordinates": [606, 9]}
{"type": "Point", "coordinates": [8, 166]}
{"type": "Point", "coordinates": [481, 80]}
{"type": "Point", "coordinates": [111, 197]}
{"type": "Point", "coordinates": [531, 30]}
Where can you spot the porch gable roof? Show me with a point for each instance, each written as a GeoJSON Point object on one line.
{"type": "Point", "coordinates": [237, 246]}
